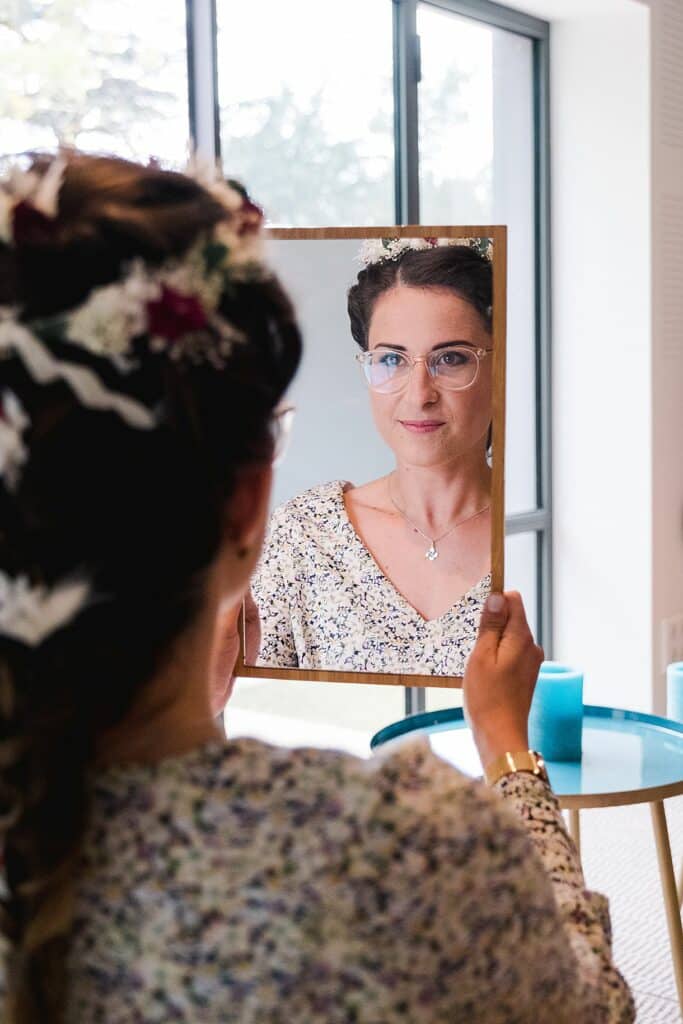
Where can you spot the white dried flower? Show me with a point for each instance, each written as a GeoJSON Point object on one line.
{"type": "Point", "coordinates": [226, 195]}
{"type": "Point", "coordinates": [372, 251]}
{"type": "Point", "coordinates": [189, 276]}
{"type": "Point", "coordinates": [112, 316]}
{"type": "Point", "coordinates": [13, 423]}
{"type": "Point", "coordinates": [30, 614]}
{"type": "Point", "coordinates": [381, 250]}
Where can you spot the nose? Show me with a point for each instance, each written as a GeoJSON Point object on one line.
{"type": "Point", "coordinates": [421, 389]}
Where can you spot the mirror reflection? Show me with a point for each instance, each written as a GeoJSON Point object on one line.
{"type": "Point", "coordinates": [378, 554]}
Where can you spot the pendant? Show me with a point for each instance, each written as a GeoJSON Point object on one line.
{"type": "Point", "coordinates": [432, 553]}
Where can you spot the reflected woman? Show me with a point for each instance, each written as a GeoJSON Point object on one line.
{"type": "Point", "coordinates": [391, 575]}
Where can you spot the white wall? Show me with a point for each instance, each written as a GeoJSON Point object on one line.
{"type": "Point", "coordinates": [334, 437]}
{"type": "Point", "coordinates": [601, 356]}
{"type": "Point", "coordinates": [606, 582]}
{"type": "Point", "coordinates": [667, 321]}
{"type": "Point", "coordinates": [617, 124]}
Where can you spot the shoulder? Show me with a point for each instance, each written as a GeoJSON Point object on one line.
{"type": "Point", "coordinates": [318, 506]}
{"type": "Point", "coordinates": [399, 792]}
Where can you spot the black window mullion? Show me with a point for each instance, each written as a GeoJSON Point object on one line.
{"type": "Point", "coordinates": [406, 78]}
{"type": "Point", "coordinates": [543, 338]}
{"type": "Point", "coordinates": [202, 71]}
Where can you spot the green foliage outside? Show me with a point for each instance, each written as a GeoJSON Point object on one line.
{"type": "Point", "coordinates": [72, 74]}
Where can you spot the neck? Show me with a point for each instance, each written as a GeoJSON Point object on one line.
{"type": "Point", "coordinates": [173, 713]}
{"type": "Point", "coordinates": [434, 497]}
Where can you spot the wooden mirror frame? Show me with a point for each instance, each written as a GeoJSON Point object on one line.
{"type": "Point", "coordinates": [498, 235]}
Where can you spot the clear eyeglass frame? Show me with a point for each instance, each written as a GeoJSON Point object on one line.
{"type": "Point", "coordinates": [430, 360]}
{"type": "Point", "coordinates": [281, 430]}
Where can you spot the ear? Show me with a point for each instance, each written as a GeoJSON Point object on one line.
{"type": "Point", "coordinates": [247, 509]}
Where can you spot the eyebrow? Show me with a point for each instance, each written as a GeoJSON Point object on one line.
{"type": "Point", "coordinates": [435, 348]}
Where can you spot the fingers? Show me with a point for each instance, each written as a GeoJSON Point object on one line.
{"type": "Point", "coordinates": [516, 620]}
{"type": "Point", "coordinates": [494, 617]}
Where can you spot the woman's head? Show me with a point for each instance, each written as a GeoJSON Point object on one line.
{"type": "Point", "coordinates": [142, 421]}
{"type": "Point", "coordinates": [415, 307]}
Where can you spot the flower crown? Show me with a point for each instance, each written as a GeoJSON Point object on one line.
{"type": "Point", "coordinates": [171, 311]}
{"type": "Point", "coordinates": [382, 250]}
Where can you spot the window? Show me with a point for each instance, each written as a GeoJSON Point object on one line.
{"type": "Point", "coordinates": [402, 110]}
{"type": "Point", "coordinates": [467, 123]}
{"type": "Point", "coordinates": [309, 126]}
{"type": "Point", "coordinates": [103, 77]}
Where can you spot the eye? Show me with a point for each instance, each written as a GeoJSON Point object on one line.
{"type": "Point", "coordinates": [452, 358]}
{"type": "Point", "coordinates": [390, 360]}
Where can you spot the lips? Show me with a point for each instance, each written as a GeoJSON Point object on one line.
{"type": "Point", "coordinates": [421, 426]}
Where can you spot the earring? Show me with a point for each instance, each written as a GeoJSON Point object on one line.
{"type": "Point", "coordinates": [242, 552]}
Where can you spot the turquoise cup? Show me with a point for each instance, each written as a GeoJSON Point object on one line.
{"type": "Point", "coordinates": [674, 691]}
{"type": "Point", "coordinates": [556, 714]}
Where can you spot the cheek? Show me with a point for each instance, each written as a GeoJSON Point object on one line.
{"type": "Point", "coordinates": [472, 412]}
{"type": "Point", "coordinates": [382, 408]}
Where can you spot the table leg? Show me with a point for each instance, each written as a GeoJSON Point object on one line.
{"type": "Point", "coordinates": [680, 886]}
{"type": "Point", "coordinates": [671, 904]}
{"type": "Point", "coordinates": [575, 828]}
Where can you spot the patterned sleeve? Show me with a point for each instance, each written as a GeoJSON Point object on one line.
{"type": "Point", "coordinates": [584, 914]}
{"type": "Point", "coordinates": [272, 590]}
{"type": "Point", "coordinates": [467, 922]}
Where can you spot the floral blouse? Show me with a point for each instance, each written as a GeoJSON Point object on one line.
{"type": "Point", "coordinates": [248, 883]}
{"type": "Point", "coordinates": [325, 603]}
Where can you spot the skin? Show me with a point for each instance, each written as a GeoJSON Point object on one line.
{"type": "Point", "coordinates": [176, 711]}
{"type": "Point", "coordinates": [441, 475]}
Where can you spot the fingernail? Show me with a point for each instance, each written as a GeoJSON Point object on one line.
{"type": "Point", "coordinates": [495, 603]}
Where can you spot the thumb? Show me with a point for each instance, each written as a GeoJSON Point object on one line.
{"type": "Point", "coordinates": [494, 617]}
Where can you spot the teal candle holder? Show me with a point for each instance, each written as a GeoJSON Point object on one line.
{"type": "Point", "coordinates": [556, 714]}
{"type": "Point", "coordinates": [674, 691]}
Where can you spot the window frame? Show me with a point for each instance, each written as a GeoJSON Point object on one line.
{"type": "Point", "coordinates": [205, 138]}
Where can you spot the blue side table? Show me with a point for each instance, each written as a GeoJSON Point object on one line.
{"type": "Point", "coordinates": [628, 758]}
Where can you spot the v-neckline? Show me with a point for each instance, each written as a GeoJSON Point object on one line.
{"type": "Point", "coordinates": [485, 582]}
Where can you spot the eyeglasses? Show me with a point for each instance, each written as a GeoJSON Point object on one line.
{"type": "Point", "coordinates": [455, 368]}
{"type": "Point", "coordinates": [280, 429]}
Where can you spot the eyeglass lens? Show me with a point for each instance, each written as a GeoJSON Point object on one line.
{"type": "Point", "coordinates": [454, 368]}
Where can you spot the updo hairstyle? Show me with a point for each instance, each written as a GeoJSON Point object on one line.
{"type": "Point", "coordinates": [140, 514]}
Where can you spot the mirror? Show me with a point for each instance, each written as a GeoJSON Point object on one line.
{"type": "Point", "coordinates": [387, 524]}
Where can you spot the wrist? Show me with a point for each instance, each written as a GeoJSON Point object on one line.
{"type": "Point", "coordinates": [492, 746]}
{"type": "Point", "coordinates": [526, 761]}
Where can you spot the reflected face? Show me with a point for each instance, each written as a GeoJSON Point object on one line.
{"type": "Point", "coordinates": [425, 424]}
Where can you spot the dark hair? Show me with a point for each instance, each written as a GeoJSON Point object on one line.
{"type": "Point", "coordinates": [458, 268]}
{"type": "Point", "coordinates": [141, 513]}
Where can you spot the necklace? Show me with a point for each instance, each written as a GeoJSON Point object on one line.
{"type": "Point", "coordinates": [431, 554]}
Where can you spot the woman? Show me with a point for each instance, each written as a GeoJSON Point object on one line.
{"type": "Point", "coordinates": [152, 871]}
{"type": "Point", "coordinates": [391, 576]}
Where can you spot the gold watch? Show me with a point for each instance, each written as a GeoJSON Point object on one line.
{"type": "Point", "coordinates": [520, 761]}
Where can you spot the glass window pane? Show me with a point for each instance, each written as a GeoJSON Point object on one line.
{"type": "Point", "coordinates": [521, 572]}
{"type": "Point", "coordinates": [308, 126]}
{"type": "Point", "coordinates": [343, 716]}
{"type": "Point", "coordinates": [104, 77]}
{"type": "Point", "coordinates": [477, 167]}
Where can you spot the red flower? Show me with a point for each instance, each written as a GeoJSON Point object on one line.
{"type": "Point", "coordinates": [250, 217]}
{"type": "Point", "coordinates": [173, 315]}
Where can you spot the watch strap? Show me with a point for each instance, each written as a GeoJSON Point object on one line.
{"type": "Point", "coordinates": [517, 761]}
